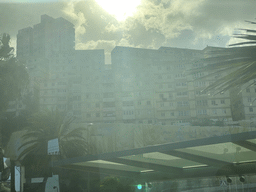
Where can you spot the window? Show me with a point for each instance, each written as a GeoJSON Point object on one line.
{"type": "Point", "coordinates": [108, 95]}
{"type": "Point", "coordinates": [61, 83]}
{"type": "Point", "coordinates": [77, 112]}
{"type": "Point", "coordinates": [182, 94]}
{"type": "Point", "coordinates": [214, 103]}
{"type": "Point", "coordinates": [109, 104]}
{"type": "Point", "coordinates": [76, 106]}
{"type": "Point", "coordinates": [248, 90]}
{"type": "Point", "coordinates": [222, 101]}
{"type": "Point", "coordinates": [202, 112]}
{"type": "Point", "coordinates": [172, 113]}
{"type": "Point", "coordinates": [163, 114]}
{"type": "Point", "coordinates": [199, 83]}
{"type": "Point", "coordinates": [77, 98]}
{"type": "Point", "coordinates": [62, 107]}
{"type": "Point", "coordinates": [183, 113]}
{"type": "Point", "coordinates": [139, 102]}
{"type": "Point", "coordinates": [97, 114]}
{"type": "Point", "coordinates": [88, 115]}
{"type": "Point", "coordinates": [182, 103]}
{"type": "Point", "coordinates": [126, 94]}
{"type": "Point", "coordinates": [202, 103]}
{"type": "Point", "coordinates": [61, 98]}
{"type": "Point", "coordinates": [214, 111]}
{"type": "Point", "coordinates": [196, 75]}
{"type": "Point", "coordinates": [180, 75]}
{"type": "Point", "coordinates": [127, 103]}
{"type": "Point", "coordinates": [250, 109]}
{"type": "Point", "coordinates": [181, 84]}
{"type": "Point", "coordinates": [224, 111]}
{"type": "Point", "coordinates": [249, 99]}
{"type": "Point", "coordinates": [62, 90]}
{"type": "Point", "coordinates": [162, 105]}
{"type": "Point", "coordinates": [148, 103]}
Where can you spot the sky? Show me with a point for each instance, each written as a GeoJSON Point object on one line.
{"type": "Point", "coordinates": [104, 24]}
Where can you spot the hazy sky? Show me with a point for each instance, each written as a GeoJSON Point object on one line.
{"type": "Point", "coordinates": [147, 23]}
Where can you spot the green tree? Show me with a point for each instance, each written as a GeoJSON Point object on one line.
{"type": "Point", "coordinates": [42, 127]}
{"type": "Point", "coordinates": [239, 63]}
{"type": "Point", "coordinates": [114, 184]}
{"type": "Point", "coordinates": [13, 75]}
{"type": "Point", "coordinates": [46, 125]}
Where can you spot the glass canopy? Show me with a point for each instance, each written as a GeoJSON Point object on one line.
{"type": "Point", "coordinates": [227, 155]}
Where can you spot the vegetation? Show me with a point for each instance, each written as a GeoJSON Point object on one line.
{"type": "Point", "coordinates": [13, 75]}
{"type": "Point", "coordinates": [113, 184]}
{"type": "Point", "coordinates": [46, 125]}
{"type": "Point", "coordinates": [42, 127]}
{"type": "Point", "coordinates": [237, 63]}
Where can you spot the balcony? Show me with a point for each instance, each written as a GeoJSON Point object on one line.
{"type": "Point", "coordinates": [109, 118]}
{"type": "Point", "coordinates": [108, 99]}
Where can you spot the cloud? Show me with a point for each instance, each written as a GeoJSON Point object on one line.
{"type": "Point", "coordinates": [77, 18]}
{"type": "Point", "coordinates": [100, 44]}
{"type": "Point", "coordinates": [108, 46]}
{"type": "Point", "coordinates": [178, 23]}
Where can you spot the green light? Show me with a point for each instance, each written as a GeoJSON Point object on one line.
{"type": "Point", "coordinates": [139, 186]}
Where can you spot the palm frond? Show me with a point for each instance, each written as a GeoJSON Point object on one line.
{"type": "Point", "coordinates": [247, 30]}
{"type": "Point", "coordinates": [28, 150]}
{"type": "Point", "coordinates": [28, 143]}
{"type": "Point", "coordinates": [243, 43]}
{"type": "Point", "coordinates": [237, 63]}
{"type": "Point", "coordinates": [251, 22]}
{"type": "Point", "coordinates": [47, 125]}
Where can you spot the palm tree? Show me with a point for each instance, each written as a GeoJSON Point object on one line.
{"type": "Point", "coordinates": [238, 63]}
{"type": "Point", "coordinates": [47, 125]}
{"type": "Point", "coordinates": [44, 126]}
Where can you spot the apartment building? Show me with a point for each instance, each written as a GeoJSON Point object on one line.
{"type": "Point", "coordinates": [160, 89]}
{"type": "Point", "coordinates": [243, 103]}
{"type": "Point", "coordinates": [46, 39]}
{"type": "Point", "coordinates": [134, 84]}
{"type": "Point", "coordinates": [144, 86]}
{"type": "Point", "coordinates": [67, 79]}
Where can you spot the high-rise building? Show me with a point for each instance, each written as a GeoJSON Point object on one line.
{"type": "Point", "coordinates": [66, 78]}
{"type": "Point", "coordinates": [144, 86]}
{"type": "Point", "coordinates": [153, 86]}
{"type": "Point", "coordinates": [46, 39]}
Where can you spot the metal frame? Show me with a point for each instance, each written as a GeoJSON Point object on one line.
{"type": "Point", "coordinates": [156, 170]}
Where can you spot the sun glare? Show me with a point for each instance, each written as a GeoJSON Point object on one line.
{"type": "Point", "coordinates": [121, 9]}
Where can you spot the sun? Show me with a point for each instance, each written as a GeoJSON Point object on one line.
{"type": "Point", "coordinates": [121, 9]}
